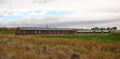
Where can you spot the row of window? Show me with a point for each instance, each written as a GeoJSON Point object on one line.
{"type": "Point", "coordinates": [49, 32]}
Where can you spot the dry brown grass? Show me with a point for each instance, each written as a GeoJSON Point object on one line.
{"type": "Point", "coordinates": [34, 47]}
{"type": "Point", "coordinates": [116, 31]}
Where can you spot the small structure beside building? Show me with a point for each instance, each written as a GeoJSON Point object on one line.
{"type": "Point", "coordinates": [97, 30]}
{"type": "Point", "coordinates": [38, 30]}
{"type": "Point", "coordinates": [93, 31]}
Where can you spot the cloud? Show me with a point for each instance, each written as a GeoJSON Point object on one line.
{"type": "Point", "coordinates": [1, 16]}
{"type": "Point", "coordinates": [14, 15]}
{"type": "Point", "coordinates": [41, 1]}
{"type": "Point", "coordinates": [57, 22]}
{"type": "Point", "coordinates": [88, 24]}
{"type": "Point", "coordinates": [29, 22]}
{"type": "Point", "coordinates": [3, 1]}
{"type": "Point", "coordinates": [37, 12]}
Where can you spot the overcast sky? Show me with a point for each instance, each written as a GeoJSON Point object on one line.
{"type": "Point", "coordinates": [60, 13]}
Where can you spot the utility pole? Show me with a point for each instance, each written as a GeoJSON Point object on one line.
{"type": "Point", "coordinates": [47, 26]}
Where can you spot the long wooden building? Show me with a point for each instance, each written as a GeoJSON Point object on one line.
{"type": "Point", "coordinates": [38, 30]}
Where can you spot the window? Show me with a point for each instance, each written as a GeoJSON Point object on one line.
{"type": "Point", "coordinates": [39, 31]}
{"type": "Point", "coordinates": [62, 32]}
{"type": "Point", "coordinates": [35, 32]}
{"type": "Point", "coordinates": [65, 32]}
{"type": "Point", "coordinates": [49, 32]}
{"type": "Point", "coordinates": [54, 31]}
{"type": "Point", "coordinates": [24, 32]}
{"type": "Point", "coordinates": [58, 32]}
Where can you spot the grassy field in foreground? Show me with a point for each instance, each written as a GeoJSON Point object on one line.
{"type": "Point", "coordinates": [82, 46]}
{"type": "Point", "coordinates": [98, 37]}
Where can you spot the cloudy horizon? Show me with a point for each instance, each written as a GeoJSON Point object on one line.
{"type": "Point", "coordinates": [60, 13]}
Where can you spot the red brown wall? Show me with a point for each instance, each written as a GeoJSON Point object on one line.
{"type": "Point", "coordinates": [32, 32]}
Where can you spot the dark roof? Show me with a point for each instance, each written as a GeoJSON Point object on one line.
{"type": "Point", "coordinates": [38, 28]}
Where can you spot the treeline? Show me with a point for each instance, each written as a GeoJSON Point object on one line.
{"type": "Point", "coordinates": [108, 28]}
{"type": "Point", "coordinates": [5, 28]}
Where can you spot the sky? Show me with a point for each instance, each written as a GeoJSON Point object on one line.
{"type": "Point", "coordinates": [60, 13]}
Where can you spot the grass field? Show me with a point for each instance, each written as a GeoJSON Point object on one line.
{"type": "Point", "coordinates": [98, 37]}
{"type": "Point", "coordinates": [82, 46]}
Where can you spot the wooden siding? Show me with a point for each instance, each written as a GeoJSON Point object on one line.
{"type": "Point", "coordinates": [34, 32]}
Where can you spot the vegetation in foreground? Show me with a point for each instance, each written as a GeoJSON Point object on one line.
{"type": "Point", "coordinates": [83, 46]}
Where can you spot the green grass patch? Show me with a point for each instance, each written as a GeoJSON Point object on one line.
{"type": "Point", "coordinates": [7, 32]}
{"type": "Point", "coordinates": [98, 37]}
